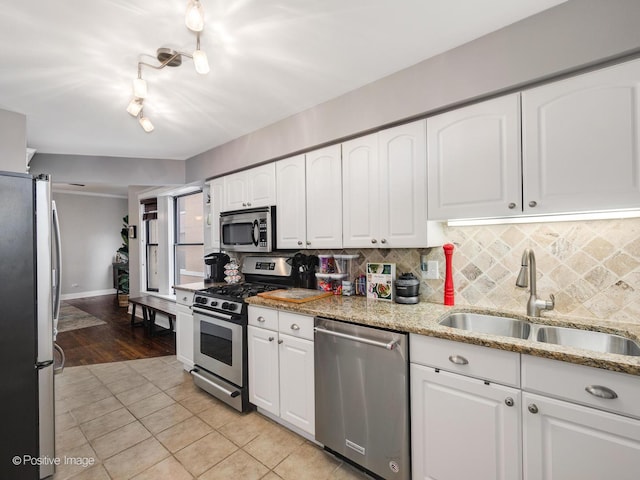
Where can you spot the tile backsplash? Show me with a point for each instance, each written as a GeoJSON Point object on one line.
{"type": "Point", "coordinates": [592, 267]}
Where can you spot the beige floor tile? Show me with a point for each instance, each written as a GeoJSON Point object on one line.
{"type": "Point", "coordinates": [78, 388]}
{"type": "Point", "coordinates": [96, 409]}
{"type": "Point", "coordinates": [198, 401]}
{"type": "Point", "coordinates": [71, 375]}
{"type": "Point", "coordinates": [138, 393]}
{"type": "Point", "coordinates": [273, 445]}
{"type": "Point", "coordinates": [308, 462]}
{"type": "Point", "coordinates": [238, 465]}
{"type": "Point", "coordinates": [96, 472]}
{"type": "Point", "coordinates": [145, 365]}
{"type": "Point", "coordinates": [107, 423]}
{"type": "Point", "coordinates": [118, 440]}
{"type": "Point", "coordinates": [203, 454]}
{"type": "Point", "coordinates": [183, 390]}
{"type": "Point", "coordinates": [347, 472]}
{"type": "Point", "coordinates": [65, 421]}
{"type": "Point", "coordinates": [165, 382]}
{"type": "Point", "coordinates": [67, 469]}
{"type": "Point", "coordinates": [87, 397]}
{"type": "Point", "coordinates": [272, 476]}
{"type": "Point", "coordinates": [165, 418]}
{"type": "Point", "coordinates": [136, 459]}
{"type": "Point", "coordinates": [169, 469]}
{"type": "Point", "coordinates": [127, 383]}
{"type": "Point", "coordinates": [245, 428]}
{"type": "Point", "coordinates": [219, 414]}
{"type": "Point", "coordinates": [184, 433]}
{"type": "Point", "coordinates": [70, 439]}
{"type": "Point", "coordinates": [150, 404]}
{"type": "Point", "coordinates": [113, 372]}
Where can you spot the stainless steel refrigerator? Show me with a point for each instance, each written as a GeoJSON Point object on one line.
{"type": "Point", "coordinates": [29, 306]}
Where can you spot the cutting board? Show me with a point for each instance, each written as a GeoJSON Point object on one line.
{"type": "Point", "coordinates": [295, 295]}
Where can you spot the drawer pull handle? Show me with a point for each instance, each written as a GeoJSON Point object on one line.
{"type": "Point", "coordinates": [280, 342]}
{"type": "Point", "coordinates": [533, 408]}
{"type": "Point", "coordinates": [260, 318]}
{"type": "Point", "coordinates": [601, 392]}
{"type": "Point", "coordinates": [458, 360]}
{"type": "Point", "coordinates": [509, 402]}
{"type": "Point", "coordinates": [295, 326]}
{"type": "Point", "coordinates": [271, 339]}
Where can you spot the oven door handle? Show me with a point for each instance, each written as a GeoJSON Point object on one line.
{"type": "Point", "coordinates": [233, 394]}
{"type": "Point", "coordinates": [255, 233]}
{"type": "Point", "coordinates": [208, 313]}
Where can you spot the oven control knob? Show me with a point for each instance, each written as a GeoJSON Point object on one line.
{"type": "Point", "coordinates": [225, 305]}
{"type": "Point", "coordinates": [214, 303]}
{"type": "Point", "coordinates": [232, 306]}
{"type": "Point", "coordinates": [201, 300]}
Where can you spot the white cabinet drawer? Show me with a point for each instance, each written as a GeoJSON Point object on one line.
{"type": "Point", "coordinates": [570, 382]}
{"type": "Point", "coordinates": [475, 361]}
{"type": "Point", "coordinates": [296, 325]}
{"type": "Point", "coordinates": [184, 297]}
{"type": "Point", "coordinates": [263, 317]}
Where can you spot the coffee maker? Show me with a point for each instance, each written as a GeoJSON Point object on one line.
{"type": "Point", "coordinates": [214, 266]}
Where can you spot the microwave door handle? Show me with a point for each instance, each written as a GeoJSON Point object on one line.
{"type": "Point", "coordinates": [255, 233]}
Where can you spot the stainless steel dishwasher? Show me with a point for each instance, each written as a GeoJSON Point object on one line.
{"type": "Point", "coordinates": [362, 396]}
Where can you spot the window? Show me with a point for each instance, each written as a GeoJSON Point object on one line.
{"type": "Point", "coordinates": [189, 238]}
{"type": "Point", "coordinates": [150, 218]}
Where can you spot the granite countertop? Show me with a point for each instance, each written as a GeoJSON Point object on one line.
{"type": "Point", "coordinates": [423, 318]}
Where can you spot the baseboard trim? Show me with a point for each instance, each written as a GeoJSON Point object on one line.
{"type": "Point", "coordinates": [94, 293]}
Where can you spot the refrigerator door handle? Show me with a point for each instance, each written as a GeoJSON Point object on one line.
{"type": "Point", "coordinates": [57, 370]}
{"type": "Point", "coordinates": [57, 267]}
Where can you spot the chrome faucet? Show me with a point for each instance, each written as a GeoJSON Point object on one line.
{"type": "Point", "coordinates": [534, 305]}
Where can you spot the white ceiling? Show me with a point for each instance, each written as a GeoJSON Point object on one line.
{"type": "Point", "coordinates": [68, 65]}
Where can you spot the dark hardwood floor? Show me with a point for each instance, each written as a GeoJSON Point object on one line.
{"type": "Point", "coordinates": [115, 341]}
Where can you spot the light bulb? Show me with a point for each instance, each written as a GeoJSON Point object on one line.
{"type": "Point", "coordinates": [140, 88]}
{"type": "Point", "coordinates": [146, 124]}
{"type": "Point", "coordinates": [194, 19]}
{"type": "Point", "coordinates": [134, 107]}
{"type": "Point", "coordinates": [200, 62]}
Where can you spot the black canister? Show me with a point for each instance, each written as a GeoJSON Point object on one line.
{"type": "Point", "coordinates": [407, 289]}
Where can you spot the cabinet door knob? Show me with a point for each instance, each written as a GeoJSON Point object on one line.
{"type": "Point", "coordinates": [248, 204]}
{"type": "Point", "coordinates": [509, 402]}
{"type": "Point", "coordinates": [458, 360]}
{"type": "Point", "coordinates": [280, 342]}
{"type": "Point", "coordinates": [383, 240]}
{"type": "Point", "coordinates": [184, 299]}
{"type": "Point", "coordinates": [533, 408]}
{"type": "Point", "coordinates": [299, 242]}
{"type": "Point", "coordinates": [308, 242]}
{"type": "Point", "coordinates": [512, 205]}
{"type": "Point", "coordinates": [295, 326]}
{"type": "Point", "coordinates": [373, 240]}
{"type": "Point", "coordinates": [244, 204]}
{"type": "Point", "coordinates": [271, 339]}
{"type": "Point", "coordinates": [533, 203]}
{"type": "Point", "coordinates": [260, 318]}
{"type": "Point", "coordinates": [601, 392]}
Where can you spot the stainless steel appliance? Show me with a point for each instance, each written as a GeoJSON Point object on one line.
{"type": "Point", "coordinates": [250, 230]}
{"type": "Point", "coordinates": [30, 300]}
{"type": "Point", "coordinates": [214, 263]}
{"type": "Point", "coordinates": [362, 396]}
{"type": "Point", "coordinates": [220, 328]}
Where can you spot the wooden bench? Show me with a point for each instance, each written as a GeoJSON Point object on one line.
{"type": "Point", "coordinates": [150, 306]}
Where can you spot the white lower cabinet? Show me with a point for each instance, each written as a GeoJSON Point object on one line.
{"type": "Point", "coordinates": [184, 328]}
{"type": "Point", "coordinates": [462, 427]}
{"type": "Point", "coordinates": [281, 376]}
{"type": "Point", "coordinates": [578, 434]}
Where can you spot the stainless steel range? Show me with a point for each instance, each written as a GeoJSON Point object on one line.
{"type": "Point", "coordinates": [220, 328]}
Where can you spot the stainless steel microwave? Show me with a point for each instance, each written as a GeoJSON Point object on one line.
{"type": "Point", "coordinates": [250, 230]}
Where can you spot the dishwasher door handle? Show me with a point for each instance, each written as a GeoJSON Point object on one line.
{"type": "Point", "coordinates": [389, 346]}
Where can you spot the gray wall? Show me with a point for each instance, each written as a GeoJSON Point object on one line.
{"type": "Point", "coordinates": [574, 35]}
{"type": "Point", "coordinates": [90, 231]}
{"type": "Point", "coordinates": [13, 142]}
{"type": "Point", "coordinates": [118, 171]}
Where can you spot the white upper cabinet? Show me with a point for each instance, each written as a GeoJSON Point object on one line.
{"type": "Point", "coordinates": [291, 213]}
{"type": "Point", "coordinates": [581, 142]}
{"type": "Point", "coordinates": [474, 161]}
{"type": "Point", "coordinates": [324, 198]}
{"type": "Point", "coordinates": [360, 192]}
{"type": "Point", "coordinates": [213, 206]}
{"type": "Point", "coordinates": [251, 188]}
{"type": "Point", "coordinates": [385, 189]}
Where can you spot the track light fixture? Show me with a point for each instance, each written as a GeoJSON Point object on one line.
{"type": "Point", "coordinates": [194, 20]}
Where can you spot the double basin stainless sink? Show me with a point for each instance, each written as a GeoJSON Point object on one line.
{"type": "Point", "coordinates": [570, 337]}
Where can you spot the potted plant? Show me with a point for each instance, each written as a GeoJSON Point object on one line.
{"type": "Point", "coordinates": [123, 273]}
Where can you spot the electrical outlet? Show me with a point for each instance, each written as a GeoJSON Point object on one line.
{"type": "Point", "coordinates": [432, 272]}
